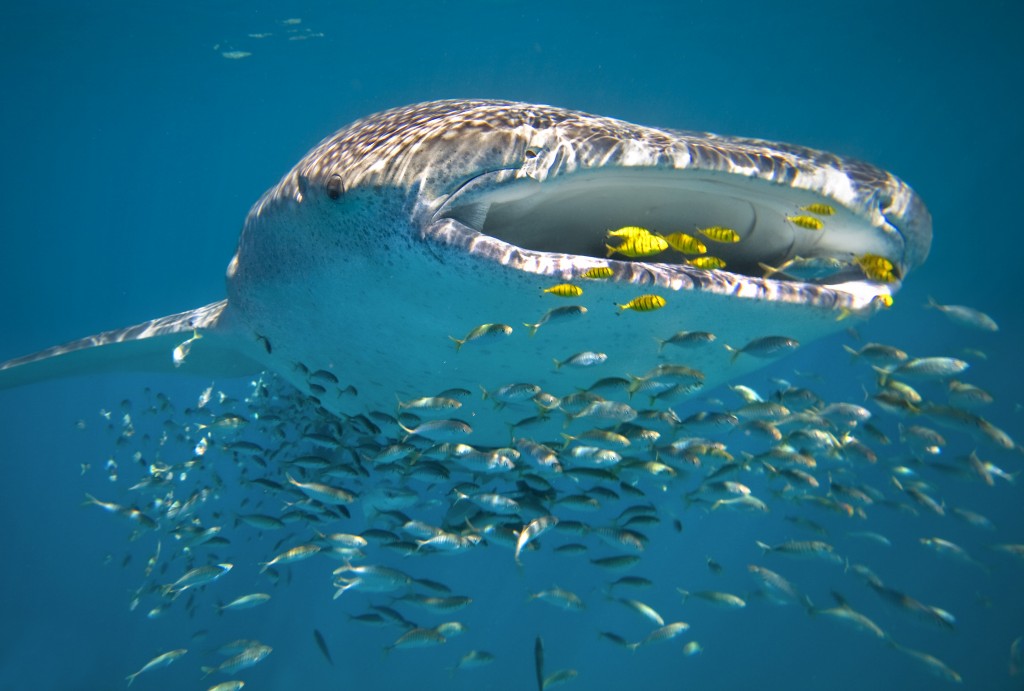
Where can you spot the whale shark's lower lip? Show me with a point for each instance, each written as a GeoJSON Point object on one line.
{"type": "Point", "coordinates": [560, 227]}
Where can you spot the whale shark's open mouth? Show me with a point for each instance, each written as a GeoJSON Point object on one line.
{"type": "Point", "coordinates": [561, 227]}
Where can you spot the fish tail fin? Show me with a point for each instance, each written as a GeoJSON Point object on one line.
{"type": "Point", "coordinates": [684, 593]}
{"type": "Point", "coordinates": [853, 353]}
{"type": "Point", "coordinates": [207, 671]}
{"type": "Point", "coordinates": [152, 346]}
{"type": "Point", "coordinates": [883, 375]}
{"type": "Point", "coordinates": [611, 250]}
{"type": "Point", "coordinates": [458, 342]}
{"type": "Point", "coordinates": [532, 327]}
{"type": "Point", "coordinates": [558, 364]}
{"type": "Point", "coordinates": [769, 271]}
{"type": "Point", "coordinates": [765, 548]}
{"type": "Point", "coordinates": [931, 304]}
{"type": "Point", "coordinates": [661, 343]}
{"type": "Point", "coordinates": [735, 352]}
{"type": "Point", "coordinates": [408, 432]}
{"type": "Point", "coordinates": [131, 677]}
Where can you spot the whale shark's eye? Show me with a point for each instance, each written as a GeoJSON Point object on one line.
{"type": "Point", "coordinates": [335, 186]}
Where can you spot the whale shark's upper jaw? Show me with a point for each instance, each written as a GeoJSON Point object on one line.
{"type": "Point", "coordinates": [554, 221]}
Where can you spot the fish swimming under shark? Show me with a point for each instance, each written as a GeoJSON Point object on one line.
{"type": "Point", "coordinates": [411, 228]}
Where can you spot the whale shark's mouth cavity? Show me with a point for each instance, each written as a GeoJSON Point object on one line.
{"type": "Point", "coordinates": [785, 233]}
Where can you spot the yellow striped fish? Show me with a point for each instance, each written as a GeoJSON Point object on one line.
{"type": "Point", "coordinates": [819, 209]}
{"type": "Point", "coordinates": [808, 222]}
{"type": "Point", "coordinates": [877, 268]}
{"type": "Point", "coordinates": [565, 290]}
{"type": "Point", "coordinates": [719, 234]}
{"type": "Point", "coordinates": [628, 232]}
{"type": "Point", "coordinates": [707, 263]}
{"type": "Point", "coordinates": [598, 272]}
{"type": "Point", "coordinates": [639, 246]}
{"type": "Point", "coordinates": [687, 244]}
{"type": "Point", "coordinates": [644, 303]}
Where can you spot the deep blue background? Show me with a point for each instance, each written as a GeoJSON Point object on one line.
{"type": "Point", "coordinates": [132, 151]}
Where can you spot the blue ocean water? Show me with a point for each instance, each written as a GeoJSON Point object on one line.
{"type": "Point", "coordinates": [133, 150]}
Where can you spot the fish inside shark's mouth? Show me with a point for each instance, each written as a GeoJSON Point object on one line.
{"type": "Point", "coordinates": [741, 225]}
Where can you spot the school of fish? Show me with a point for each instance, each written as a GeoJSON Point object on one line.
{"type": "Point", "coordinates": [596, 479]}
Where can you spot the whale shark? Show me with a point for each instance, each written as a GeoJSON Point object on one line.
{"type": "Point", "coordinates": [411, 253]}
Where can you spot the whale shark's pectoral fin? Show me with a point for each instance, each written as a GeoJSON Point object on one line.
{"type": "Point", "coordinates": [193, 342]}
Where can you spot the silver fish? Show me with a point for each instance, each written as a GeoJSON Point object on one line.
{"type": "Point", "coordinates": [965, 316]}
{"type": "Point", "coordinates": [532, 531]}
{"type": "Point", "coordinates": [157, 662]}
{"type": "Point", "coordinates": [250, 656]}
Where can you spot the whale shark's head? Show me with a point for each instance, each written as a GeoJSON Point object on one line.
{"type": "Point", "coordinates": [536, 189]}
{"type": "Point", "coordinates": [408, 229]}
